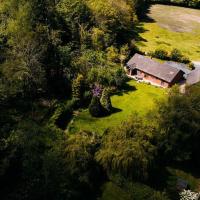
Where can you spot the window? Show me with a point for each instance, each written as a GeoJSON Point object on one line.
{"type": "Point", "coordinates": [162, 83]}
{"type": "Point", "coordinates": [146, 76]}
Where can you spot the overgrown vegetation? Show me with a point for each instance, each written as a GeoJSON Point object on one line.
{"type": "Point", "coordinates": [57, 57]}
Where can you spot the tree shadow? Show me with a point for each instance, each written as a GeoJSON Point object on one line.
{"type": "Point", "coordinates": [116, 110]}
{"type": "Point", "coordinates": [126, 89]}
{"type": "Point", "coordinates": [144, 15]}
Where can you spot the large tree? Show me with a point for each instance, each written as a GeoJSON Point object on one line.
{"type": "Point", "coordinates": [128, 149]}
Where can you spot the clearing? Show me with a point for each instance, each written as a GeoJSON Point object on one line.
{"type": "Point", "coordinates": [169, 27]}
{"type": "Point", "coordinates": [137, 97]}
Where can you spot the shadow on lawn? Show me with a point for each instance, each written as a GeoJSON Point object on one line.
{"type": "Point", "coordinates": [116, 110]}
{"type": "Point", "coordinates": [144, 15]}
{"type": "Point", "coordinates": [126, 89]}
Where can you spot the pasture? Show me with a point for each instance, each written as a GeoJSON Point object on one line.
{"type": "Point", "coordinates": [168, 27]}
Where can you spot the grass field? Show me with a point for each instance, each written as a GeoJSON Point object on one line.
{"type": "Point", "coordinates": [171, 27]}
{"type": "Point", "coordinates": [140, 100]}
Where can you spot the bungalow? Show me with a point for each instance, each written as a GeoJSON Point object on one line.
{"type": "Point", "coordinates": [148, 70]}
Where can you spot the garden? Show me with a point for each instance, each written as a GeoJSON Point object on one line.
{"type": "Point", "coordinates": [135, 98]}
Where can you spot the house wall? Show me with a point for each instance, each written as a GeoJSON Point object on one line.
{"type": "Point", "coordinates": [153, 79]}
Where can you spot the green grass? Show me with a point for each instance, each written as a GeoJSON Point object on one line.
{"type": "Point", "coordinates": [173, 27]}
{"type": "Point", "coordinates": [141, 100]}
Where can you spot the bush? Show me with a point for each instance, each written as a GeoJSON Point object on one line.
{"type": "Point", "coordinates": [63, 114]}
{"type": "Point", "coordinates": [131, 191]}
{"type": "Point", "coordinates": [185, 60]}
{"type": "Point", "coordinates": [120, 77]}
{"type": "Point", "coordinates": [87, 96]}
{"type": "Point", "coordinates": [77, 88]}
{"type": "Point", "coordinates": [176, 55]}
{"type": "Point", "coordinates": [161, 54]}
{"type": "Point", "coordinates": [95, 107]}
{"type": "Point", "coordinates": [106, 100]}
{"type": "Point", "coordinates": [191, 66]}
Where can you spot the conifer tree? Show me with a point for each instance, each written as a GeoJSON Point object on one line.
{"type": "Point", "coordinates": [77, 87]}
{"type": "Point", "coordinates": [106, 100]}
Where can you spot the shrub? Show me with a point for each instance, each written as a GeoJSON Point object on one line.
{"type": "Point", "coordinates": [176, 55]}
{"type": "Point", "coordinates": [95, 107]}
{"type": "Point", "coordinates": [87, 96]}
{"type": "Point", "coordinates": [106, 100]}
{"type": "Point", "coordinates": [63, 114]}
{"type": "Point", "coordinates": [185, 60]}
{"type": "Point", "coordinates": [161, 54]}
{"type": "Point", "coordinates": [120, 77]}
{"type": "Point", "coordinates": [77, 88]}
{"type": "Point", "coordinates": [191, 66]}
{"type": "Point", "coordinates": [131, 191]}
{"type": "Point", "coordinates": [113, 54]}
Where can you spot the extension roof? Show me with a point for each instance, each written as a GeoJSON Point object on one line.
{"type": "Point", "coordinates": [193, 77]}
{"type": "Point", "coordinates": [181, 66]}
{"type": "Point", "coordinates": [162, 71]}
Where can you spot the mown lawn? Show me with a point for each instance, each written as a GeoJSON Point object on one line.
{"type": "Point", "coordinates": [171, 27]}
{"type": "Point", "coordinates": [138, 97]}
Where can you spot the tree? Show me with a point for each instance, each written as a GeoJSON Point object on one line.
{"type": "Point", "coordinates": [85, 172]}
{"type": "Point", "coordinates": [95, 107]}
{"type": "Point", "coordinates": [113, 54]}
{"type": "Point", "coordinates": [124, 53]}
{"type": "Point", "coordinates": [176, 55]}
{"type": "Point", "coordinates": [78, 88]}
{"type": "Point", "coordinates": [179, 130]}
{"type": "Point", "coordinates": [128, 150]}
{"type": "Point", "coordinates": [106, 100]}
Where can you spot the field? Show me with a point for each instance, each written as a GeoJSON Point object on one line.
{"type": "Point", "coordinates": [137, 97]}
{"type": "Point", "coordinates": [169, 27]}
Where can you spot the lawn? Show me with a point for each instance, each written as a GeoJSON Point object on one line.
{"type": "Point", "coordinates": [171, 27]}
{"type": "Point", "coordinates": [141, 99]}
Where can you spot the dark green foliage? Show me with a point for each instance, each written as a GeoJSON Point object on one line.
{"type": "Point", "coordinates": [128, 150]}
{"type": "Point", "coordinates": [87, 96]}
{"type": "Point", "coordinates": [78, 88]}
{"type": "Point", "coordinates": [160, 54]}
{"type": "Point", "coordinates": [120, 77]}
{"type": "Point", "coordinates": [176, 55]}
{"type": "Point", "coordinates": [79, 151]}
{"type": "Point", "coordinates": [62, 114]}
{"type": "Point", "coordinates": [127, 190]}
{"type": "Point", "coordinates": [179, 118]}
{"type": "Point", "coordinates": [106, 100]}
{"type": "Point", "coordinates": [107, 77]}
{"type": "Point", "coordinates": [43, 46]}
{"type": "Point", "coordinates": [95, 107]}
